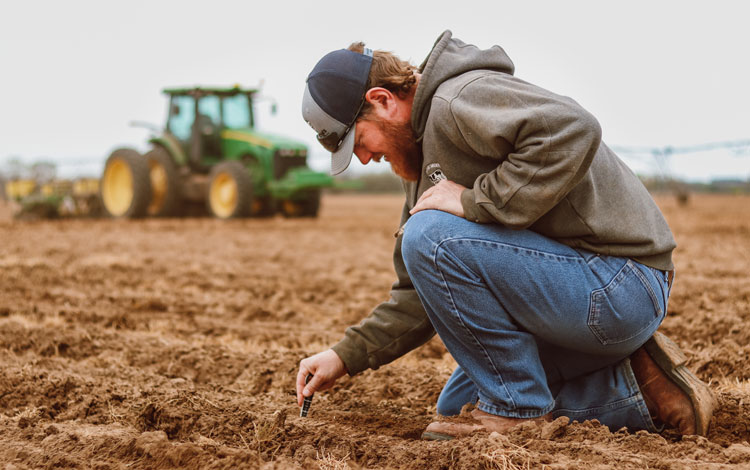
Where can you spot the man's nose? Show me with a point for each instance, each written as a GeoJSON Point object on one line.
{"type": "Point", "coordinates": [363, 156]}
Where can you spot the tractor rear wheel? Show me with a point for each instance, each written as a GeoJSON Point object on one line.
{"type": "Point", "coordinates": [165, 183]}
{"type": "Point", "coordinates": [307, 206]}
{"type": "Point", "coordinates": [230, 190]}
{"type": "Point", "coordinates": [126, 185]}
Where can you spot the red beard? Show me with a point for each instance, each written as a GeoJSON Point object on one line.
{"type": "Point", "coordinates": [404, 153]}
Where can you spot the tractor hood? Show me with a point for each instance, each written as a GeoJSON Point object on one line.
{"type": "Point", "coordinates": [262, 139]}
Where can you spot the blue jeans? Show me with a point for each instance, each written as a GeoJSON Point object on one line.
{"type": "Point", "coordinates": [535, 326]}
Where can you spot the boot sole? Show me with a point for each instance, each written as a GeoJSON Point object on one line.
{"type": "Point", "coordinates": [670, 358]}
{"type": "Point", "coordinates": [436, 436]}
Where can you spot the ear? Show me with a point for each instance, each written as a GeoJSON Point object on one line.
{"type": "Point", "coordinates": [382, 100]}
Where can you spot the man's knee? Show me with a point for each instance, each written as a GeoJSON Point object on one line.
{"type": "Point", "coordinates": [421, 235]}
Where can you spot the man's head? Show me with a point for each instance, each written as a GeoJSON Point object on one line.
{"type": "Point", "coordinates": [360, 102]}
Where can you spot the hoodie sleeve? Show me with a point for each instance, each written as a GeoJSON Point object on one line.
{"type": "Point", "coordinates": [543, 142]}
{"type": "Point", "coordinates": [392, 329]}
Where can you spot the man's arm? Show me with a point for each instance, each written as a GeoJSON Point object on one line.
{"type": "Point", "coordinates": [392, 329]}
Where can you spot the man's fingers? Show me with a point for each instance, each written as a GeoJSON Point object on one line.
{"type": "Point", "coordinates": [426, 194]}
{"type": "Point", "coordinates": [427, 199]}
{"type": "Point", "coordinates": [417, 207]}
{"type": "Point", "coordinates": [326, 386]}
{"type": "Point", "coordinates": [422, 204]}
{"type": "Point", "coordinates": [325, 367]}
{"type": "Point", "coordinates": [315, 383]}
{"type": "Point", "coordinates": [301, 375]}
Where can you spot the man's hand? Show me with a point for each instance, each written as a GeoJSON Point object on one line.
{"type": "Point", "coordinates": [444, 196]}
{"type": "Point", "coordinates": [326, 367]}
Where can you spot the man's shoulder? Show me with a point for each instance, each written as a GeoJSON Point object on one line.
{"type": "Point", "coordinates": [451, 88]}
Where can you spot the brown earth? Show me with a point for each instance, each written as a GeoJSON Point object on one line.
{"type": "Point", "coordinates": [174, 344]}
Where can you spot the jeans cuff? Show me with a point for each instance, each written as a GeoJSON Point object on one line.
{"type": "Point", "coordinates": [523, 413]}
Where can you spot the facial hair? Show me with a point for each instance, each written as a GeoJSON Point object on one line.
{"type": "Point", "coordinates": [403, 153]}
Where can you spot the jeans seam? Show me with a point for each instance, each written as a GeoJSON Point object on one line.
{"type": "Point", "coordinates": [546, 254]}
{"type": "Point", "coordinates": [499, 411]}
{"type": "Point", "coordinates": [461, 321]}
{"type": "Point", "coordinates": [608, 407]}
{"type": "Point", "coordinates": [663, 282]}
{"type": "Point", "coordinates": [647, 285]}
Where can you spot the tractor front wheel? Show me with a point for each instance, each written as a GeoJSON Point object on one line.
{"type": "Point", "coordinates": [125, 184]}
{"type": "Point", "coordinates": [230, 190]}
{"type": "Point", "coordinates": [306, 206]}
{"type": "Point", "coordinates": [263, 207]}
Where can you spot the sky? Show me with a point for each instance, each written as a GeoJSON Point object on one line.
{"type": "Point", "coordinates": [74, 74]}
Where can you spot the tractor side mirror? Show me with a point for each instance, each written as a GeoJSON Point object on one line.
{"type": "Point", "coordinates": [175, 110]}
{"type": "Point", "coordinates": [274, 109]}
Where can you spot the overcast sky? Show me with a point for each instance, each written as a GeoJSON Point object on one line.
{"type": "Point", "coordinates": [74, 73]}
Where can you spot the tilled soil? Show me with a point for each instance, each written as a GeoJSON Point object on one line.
{"type": "Point", "coordinates": [174, 343]}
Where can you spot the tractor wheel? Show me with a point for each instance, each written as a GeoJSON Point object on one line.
{"type": "Point", "coordinates": [230, 191]}
{"type": "Point", "coordinates": [263, 207]}
{"type": "Point", "coordinates": [125, 185]}
{"type": "Point", "coordinates": [305, 207]}
{"type": "Point", "coordinates": [165, 183]}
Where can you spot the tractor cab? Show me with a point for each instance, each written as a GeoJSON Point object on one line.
{"type": "Point", "coordinates": [197, 116]}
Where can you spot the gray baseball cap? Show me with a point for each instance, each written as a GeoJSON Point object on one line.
{"type": "Point", "coordinates": [334, 96]}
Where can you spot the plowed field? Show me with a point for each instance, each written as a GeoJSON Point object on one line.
{"type": "Point", "coordinates": [174, 344]}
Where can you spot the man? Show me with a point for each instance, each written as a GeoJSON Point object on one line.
{"type": "Point", "coordinates": [536, 255]}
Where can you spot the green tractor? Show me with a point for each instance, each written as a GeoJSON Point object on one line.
{"type": "Point", "coordinates": [210, 154]}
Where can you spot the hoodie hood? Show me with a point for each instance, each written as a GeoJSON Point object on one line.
{"type": "Point", "coordinates": [449, 58]}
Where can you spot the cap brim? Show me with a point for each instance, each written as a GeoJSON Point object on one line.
{"type": "Point", "coordinates": [341, 158]}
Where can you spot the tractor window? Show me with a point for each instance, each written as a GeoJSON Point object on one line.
{"type": "Point", "coordinates": [181, 116]}
{"type": "Point", "coordinates": [236, 111]}
{"type": "Point", "coordinates": [208, 107]}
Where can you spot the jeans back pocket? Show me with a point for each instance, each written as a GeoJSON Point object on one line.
{"type": "Point", "coordinates": [624, 308]}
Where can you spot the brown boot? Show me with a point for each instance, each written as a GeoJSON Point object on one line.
{"type": "Point", "coordinates": [673, 394]}
{"type": "Point", "coordinates": [479, 421]}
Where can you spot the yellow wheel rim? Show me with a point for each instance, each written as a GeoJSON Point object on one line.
{"type": "Point", "coordinates": [223, 195]}
{"type": "Point", "coordinates": [117, 187]}
{"type": "Point", "coordinates": [158, 176]}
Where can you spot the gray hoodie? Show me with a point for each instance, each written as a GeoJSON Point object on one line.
{"type": "Point", "coordinates": [531, 160]}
